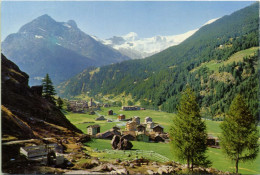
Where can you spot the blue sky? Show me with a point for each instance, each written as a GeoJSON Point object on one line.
{"type": "Point", "coordinates": [107, 19]}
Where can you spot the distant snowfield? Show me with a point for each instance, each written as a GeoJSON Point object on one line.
{"type": "Point", "coordinates": [137, 48]}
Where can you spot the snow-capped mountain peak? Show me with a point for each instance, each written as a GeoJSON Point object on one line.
{"type": "Point", "coordinates": [136, 48]}
{"type": "Point", "coordinates": [131, 36]}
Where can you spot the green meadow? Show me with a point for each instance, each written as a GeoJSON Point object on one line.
{"type": "Point", "coordinates": [219, 160]}
{"type": "Point", "coordinates": [214, 65]}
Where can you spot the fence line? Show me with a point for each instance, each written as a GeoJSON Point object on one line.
{"type": "Point", "coordinates": [144, 153]}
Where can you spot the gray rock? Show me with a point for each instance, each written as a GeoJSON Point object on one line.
{"type": "Point", "coordinates": [165, 170]}
{"type": "Point", "coordinates": [122, 171]}
{"type": "Point", "coordinates": [150, 172]}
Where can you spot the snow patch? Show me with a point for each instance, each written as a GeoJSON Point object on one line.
{"type": "Point", "coordinates": [132, 36]}
{"type": "Point", "coordinates": [210, 21]}
{"type": "Point", "coordinates": [67, 25]}
{"type": "Point", "coordinates": [149, 46]}
{"type": "Point", "coordinates": [38, 36]}
{"type": "Point", "coordinates": [41, 29]}
{"type": "Point", "coordinates": [58, 44]}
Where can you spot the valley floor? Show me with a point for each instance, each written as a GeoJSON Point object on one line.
{"type": "Point", "coordinates": [160, 152]}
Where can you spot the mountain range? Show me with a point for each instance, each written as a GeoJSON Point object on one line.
{"type": "Point", "coordinates": [218, 61]}
{"type": "Point", "coordinates": [58, 48]}
{"type": "Point", "coordinates": [135, 47]}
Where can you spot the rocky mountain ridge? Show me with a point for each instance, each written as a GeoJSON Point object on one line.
{"type": "Point", "coordinates": [47, 46]}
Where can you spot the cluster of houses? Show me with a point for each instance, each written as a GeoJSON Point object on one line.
{"type": "Point", "coordinates": [82, 106]}
{"type": "Point", "coordinates": [134, 130]}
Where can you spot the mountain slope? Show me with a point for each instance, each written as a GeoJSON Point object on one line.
{"type": "Point", "coordinates": [25, 114]}
{"type": "Point", "coordinates": [46, 46]}
{"type": "Point", "coordinates": [158, 80]}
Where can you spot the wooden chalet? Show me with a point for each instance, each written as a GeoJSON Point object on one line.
{"type": "Point", "coordinates": [93, 129]}
{"type": "Point", "coordinates": [158, 129]}
{"type": "Point", "coordinates": [121, 117]}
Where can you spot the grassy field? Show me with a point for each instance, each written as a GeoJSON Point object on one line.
{"type": "Point", "coordinates": [215, 155]}
{"type": "Point", "coordinates": [219, 161]}
{"type": "Point", "coordinates": [101, 144]}
{"type": "Point", "coordinates": [81, 121]}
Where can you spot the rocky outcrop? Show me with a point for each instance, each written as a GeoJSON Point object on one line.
{"type": "Point", "coordinates": [14, 126]}
{"type": "Point", "coordinates": [121, 143]}
{"type": "Point", "coordinates": [28, 115]}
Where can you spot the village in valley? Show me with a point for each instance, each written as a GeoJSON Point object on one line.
{"type": "Point", "coordinates": [134, 129]}
{"type": "Point", "coordinates": [130, 127]}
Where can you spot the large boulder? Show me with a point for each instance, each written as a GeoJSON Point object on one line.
{"type": "Point", "coordinates": [115, 141]}
{"type": "Point", "coordinates": [84, 138]}
{"type": "Point", "coordinates": [124, 144]}
{"type": "Point", "coordinates": [121, 143]}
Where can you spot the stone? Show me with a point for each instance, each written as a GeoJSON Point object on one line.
{"type": "Point", "coordinates": [131, 165]}
{"type": "Point", "coordinates": [115, 141]}
{"type": "Point", "coordinates": [155, 164]}
{"type": "Point", "coordinates": [150, 172]}
{"type": "Point", "coordinates": [124, 145]}
{"type": "Point", "coordinates": [125, 163]}
{"type": "Point", "coordinates": [84, 138]}
{"type": "Point", "coordinates": [120, 143]}
{"type": "Point", "coordinates": [105, 167]}
{"type": "Point", "coordinates": [113, 172]}
{"type": "Point", "coordinates": [165, 170]}
{"type": "Point", "coordinates": [121, 171]}
{"type": "Point", "coordinates": [95, 162]}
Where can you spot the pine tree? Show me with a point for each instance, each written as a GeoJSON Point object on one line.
{"type": "Point", "coordinates": [239, 132]}
{"type": "Point", "coordinates": [48, 91]}
{"type": "Point", "coordinates": [59, 103]}
{"type": "Point", "coordinates": [188, 132]}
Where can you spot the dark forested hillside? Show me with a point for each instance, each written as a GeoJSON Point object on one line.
{"type": "Point", "coordinates": [211, 61]}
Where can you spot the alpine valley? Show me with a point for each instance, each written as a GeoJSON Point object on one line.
{"type": "Point", "coordinates": [211, 60]}
{"type": "Point", "coordinates": [188, 103]}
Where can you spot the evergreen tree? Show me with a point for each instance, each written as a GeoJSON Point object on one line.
{"type": "Point", "coordinates": [188, 132]}
{"type": "Point", "coordinates": [48, 89]}
{"type": "Point", "coordinates": [239, 132]}
{"type": "Point", "coordinates": [59, 103]}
